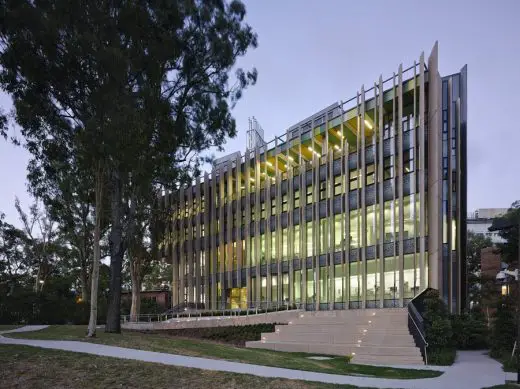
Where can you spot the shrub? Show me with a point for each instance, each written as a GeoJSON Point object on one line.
{"type": "Point", "coordinates": [470, 332]}
{"type": "Point", "coordinates": [503, 334]}
{"type": "Point", "coordinates": [441, 357]}
{"type": "Point", "coordinates": [348, 358]}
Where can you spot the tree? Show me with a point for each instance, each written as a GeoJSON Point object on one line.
{"type": "Point", "coordinates": [509, 249]}
{"type": "Point", "coordinates": [475, 244]}
{"type": "Point", "coordinates": [14, 264]}
{"type": "Point", "coordinates": [43, 245]}
{"type": "Point", "coordinates": [141, 88]}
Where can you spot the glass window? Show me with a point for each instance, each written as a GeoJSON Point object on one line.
{"type": "Point", "coordinates": [370, 176]}
{"type": "Point", "coordinates": [284, 244]}
{"type": "Point", "coordinates": [389, 213]}
{"type": "Point", "coordinates": [297, 284]}
{"type": "Point", "coordinates": [309, 239]}
{"type": "Point", "coordinates": [273, 247]}
{"type": "Point", "coordinates": [355, 281]}
{"type": "Point", "coordinates": [252, 254]}
{"type": "Point", "coordinates": [410, 277]}
{"type": "Point", "coordinates": [263, 289]}
{"type": "Point", "coordinates": [262, 209]}
{"type": "Point", "coordinates": [338, 232]}
{"type": "Point", "coordinates": [371, 225]}
{"type": "Point", "coordinates": [296, 242]}
{"type": "Point", "coordinates": [409, 216]}
{"type": "Point", "coordinates": [408, 159]}
{"type": "Point", "coordinates": [324, 284]}
{"type": "Point", "coordinates": [285, 287]}
{"type": "Point", "coordinates": [323, 190]}
{"type": "Point", "coordinates": [273, 207]}
{"type": "Point", "coordinates": [296, 199]}
{"type": "Point", "coordinates": [354, 228]}
{"type": "Point", "coordinates": [309, 194]}
{"type": "Point", "coordinates": [284, 203]}
{"type": "Point", "coordinates": [324, 236]}
{"type": "Point", "coordinates": [353, 179]}
{"type": "Point", "coordinates": [262, 249]}
{"type": "Point", "coordinates": [274, 288]}
{"type": "Point", "coordinates": [339, 281]}
{"type": "Point", "coordinates": [337, 185]}
{"type": "Point", "coordinates": [310, 286]}
{"type": "Point", "coordinates": [388, 165]}
{"type": "Point", "coordinates": [391, 278]}
{"type": "Point", "coordinates": [372, 280]}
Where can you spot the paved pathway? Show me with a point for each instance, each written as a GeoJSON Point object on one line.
{"type": "Point", "coordinates": [472, 369]}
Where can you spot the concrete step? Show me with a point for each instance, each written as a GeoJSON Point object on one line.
{"type": "Point", "coordinates": [352, 338]}
{"type": "Point", "coordinates": [337, 349]}
{"type": "Point", "coordinates": [371, 336]}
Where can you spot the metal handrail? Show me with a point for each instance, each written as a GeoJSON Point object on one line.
{"type": "Point", "coordinates": [256, 308]}
{"type": "Point", "coordinates": [413, 309]}
{"type": "Point", "coordinates": [423, 338]}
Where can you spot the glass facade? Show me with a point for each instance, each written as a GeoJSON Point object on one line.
{"type": "Point", "coordinates": [348, 214]}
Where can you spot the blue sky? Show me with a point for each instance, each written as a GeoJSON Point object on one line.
{"type": "Point", "coordinates": [314, 53]}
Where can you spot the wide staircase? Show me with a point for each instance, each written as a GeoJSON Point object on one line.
{"type": "Point", "coordinates": [371, 336]}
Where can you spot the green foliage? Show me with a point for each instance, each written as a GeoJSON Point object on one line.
{"type": "Point", "coordinates": [348, 358]}
{"type": "Point", "coordinates": [139, 90]}
{"type": "Point", "coordinates": [55, 304]}
{"type": "Point", "coordinates": [437, 322]}
{"type": "Point", "coordinates": [442, 357]}
{"type": "Point", "coordinates": [236, 335]}
{"type": "Point", "coordinates": [509, 249]}
{"type": "Point", "coordinates": [470, 332]}
{"type": "Point", "coordinates": [475, 243]}
{"type": "Point", "coordinates": [504, 331]}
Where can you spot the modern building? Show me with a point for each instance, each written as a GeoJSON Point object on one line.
{"type": "Point", "coordinates": [362, 204]}
{"type": "Point", "coordinates": [479, 222]}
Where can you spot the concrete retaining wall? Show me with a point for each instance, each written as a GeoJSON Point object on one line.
{"type": "Point", "coordinates": [222, 321]}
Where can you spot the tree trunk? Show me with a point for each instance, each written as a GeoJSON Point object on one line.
{"type": "Point", "coordinates": [84, 287]}
{"type": "Point", "coordinates": [135, 309]}
{"type": "Point", "coordinates": [116, 256]}
{"type": "Point", "coordinates": [97, 255]}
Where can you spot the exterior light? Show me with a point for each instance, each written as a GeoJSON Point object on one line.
{"type": "Point", "coordinates": [359, 341]}
{"type": "Point", "coordinates": [353, 353]}
{"type": "Point", "coordinates": [368, 124]}
{"type": "Point", "coordinates": [370, 321]}
{"type": "Point", "coordinates": [290, 322]}
{"type": "Point", "coordinates": [364, 330]}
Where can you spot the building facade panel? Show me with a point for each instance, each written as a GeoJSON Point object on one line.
{"type": "Point", "coordinates": [336, 213]}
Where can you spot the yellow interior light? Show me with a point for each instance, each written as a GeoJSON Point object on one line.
{"type": "Point", "coordinates": [290, 158]}
{"type": "Point", "coordinates": [310, 149]}
{"type": "Point", "coordinates": [269, 164]}
{"type": "Point", "coordinates": [336, 147]}
{"type": "Point", "coordinates": [368, 124]}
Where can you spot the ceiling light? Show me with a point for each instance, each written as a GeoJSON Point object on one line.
{"type": "Point", "coordinates": [290, 158]}
{"type": "Point", "coordinates": [336, 147]}
{"type": "Point", "coordinates": [368, 124]}
{"type": "Point", "coordinates": [269, 164]}
{"type": "Point", "coordinates": [252, 179]}
{"type": "Point", "coordinates": [310, 149]}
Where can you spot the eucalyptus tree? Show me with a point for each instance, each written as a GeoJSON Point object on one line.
{"type": "Point", "coordinates": [139, 88]}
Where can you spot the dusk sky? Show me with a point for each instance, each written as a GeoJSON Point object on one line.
{"type": "Point", "coordinates": [314, 53]}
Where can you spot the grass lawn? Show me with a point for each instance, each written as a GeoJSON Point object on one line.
{"type": "Point", "coordinates": [6, 327]}
{"type": "Point", "coordinates": [31, 367]}
{"type": "Point", "coordinates": [504, 386]}
{"type": "Point", "coordinates": [208, 349]}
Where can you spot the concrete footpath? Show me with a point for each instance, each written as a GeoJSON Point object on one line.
{"type": "Point", "coordinates": [472, 370]}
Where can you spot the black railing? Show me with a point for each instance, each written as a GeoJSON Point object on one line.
{"type": "Point", "coordinates": [416, 327]}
